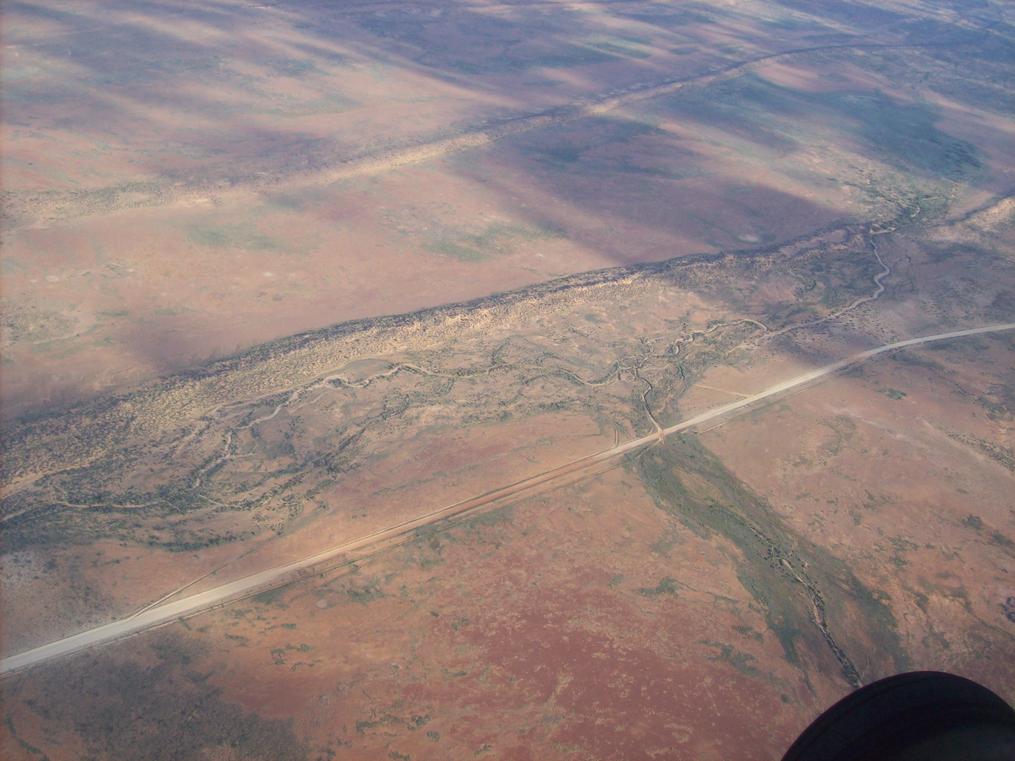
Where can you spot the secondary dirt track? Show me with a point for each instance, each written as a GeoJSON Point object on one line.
{"type": "Point", "coordinates": [273, 577]}
{"type": "Point", "coordinates": [72, 204]}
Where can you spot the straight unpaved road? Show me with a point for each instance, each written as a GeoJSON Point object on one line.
{"type": "Point", "coordinates": [171, 611]}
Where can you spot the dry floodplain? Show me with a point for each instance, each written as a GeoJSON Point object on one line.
{"type": "Point", "coordinates": [348, 347]}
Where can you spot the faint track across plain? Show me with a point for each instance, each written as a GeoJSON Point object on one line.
{"type": "Point", "coordinates": [153, 194]}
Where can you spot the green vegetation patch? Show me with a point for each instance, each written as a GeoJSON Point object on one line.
{"type": "Point", "coordinates": [487, 242]}
{"type": "Point", "coordinates": [174, 712]}
{"type": "Point", "coordinates": [739, 660]}
{"type": "Point", "coordinates": [427, 547]}
{"type": "Point", "coordinates": [579, 147]}
{"type": "Point", "coordinates": [893, 393]}
{"type": "Point", "coordinates": [996, 537]}
{"type": "Point", "coordinates": [231, 236]}
{"type": "Point", "coordinates": [789, 576]}
{"type": "Point", "coordinates": [365, 594]}
{"type": "Point", "coordinates": [666, 586]}
{"type": "Point", "coordinates": [973, 521]}
{"type": "Point", "coordinates": [275, 597]}
{"type": "Point", "coordinates": [497, 517]}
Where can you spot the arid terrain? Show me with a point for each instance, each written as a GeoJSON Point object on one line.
{"type": "Point", "coordinates": [514, 380]}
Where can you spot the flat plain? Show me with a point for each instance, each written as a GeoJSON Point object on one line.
{"type": "Point", "coordinates": [380, 281]}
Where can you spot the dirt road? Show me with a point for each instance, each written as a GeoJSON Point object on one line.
{"type": "Point", "coordinates": [168, 612]}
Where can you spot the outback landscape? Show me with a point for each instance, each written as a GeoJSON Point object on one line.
{"type": "Point", "coordinates": [510, 380]}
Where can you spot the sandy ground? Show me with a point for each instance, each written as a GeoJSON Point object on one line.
{"type": "Point", "coordinates": [239, 244]}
